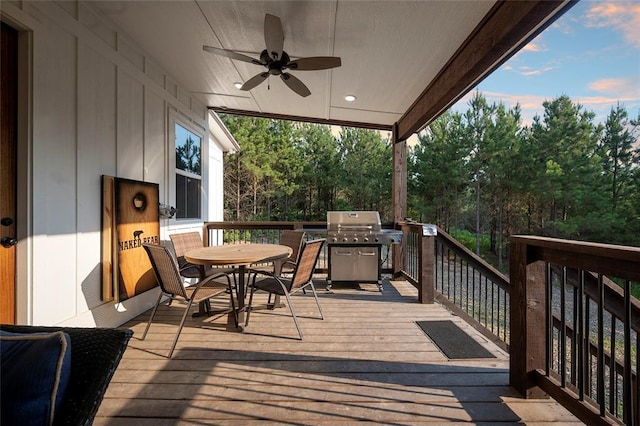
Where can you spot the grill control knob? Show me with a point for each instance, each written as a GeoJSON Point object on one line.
{"type": "Point", "coordinates": [377, 239]}
{"type": "Point", "coordinates": [334, 240]}
{"type": "Point", "coordinates": [355, 239]}
{"type": "Point", "coordinates": [345, 239]}
{"type": "Point", "coordinates": [365, 239]}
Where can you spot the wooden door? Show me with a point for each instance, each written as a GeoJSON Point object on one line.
{"type": "Point", "coordinates": [8, 150]}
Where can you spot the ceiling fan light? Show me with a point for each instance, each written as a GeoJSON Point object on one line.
{"type": "Point", "coordinates": [350, 98]}
{"type": "Point", "coordinates": [237, 85]}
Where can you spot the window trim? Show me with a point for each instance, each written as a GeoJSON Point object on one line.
{"type": "Point", "coordinates": [178, 119]}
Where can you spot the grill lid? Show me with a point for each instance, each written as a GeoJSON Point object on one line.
{"type": "Point", "coordinates": [350, 221]}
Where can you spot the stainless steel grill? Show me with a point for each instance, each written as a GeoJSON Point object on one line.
{"type": "Point", "coordinates": [355, 240]}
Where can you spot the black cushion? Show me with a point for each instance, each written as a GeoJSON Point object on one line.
{"type": "Point", "coordinates": [35, 370]}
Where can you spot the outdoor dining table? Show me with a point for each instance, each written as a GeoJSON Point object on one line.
{"type": "Point", "coordinates": [240, 256]}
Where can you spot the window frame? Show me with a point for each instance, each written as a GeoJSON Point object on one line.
{"type": "Point", "coordinates": [176, 119]}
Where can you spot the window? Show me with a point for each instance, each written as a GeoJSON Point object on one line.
{"type": "Point", "coordinates": [188, 173]}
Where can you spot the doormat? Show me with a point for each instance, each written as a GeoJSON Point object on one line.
{"type": "Point", "coordinates": [453, 341]}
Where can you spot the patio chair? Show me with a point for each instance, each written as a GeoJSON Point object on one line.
{"type": "Point", "coordinates": [294, 240]}
{"type": "Point", "coordinates": [182, 243]}
{"type": "Point", "coordinates": [302, 278]}
{"type": "Point", "coordinates": [95, 355]}
{"type": "Point", "coordinates": [166, 270]}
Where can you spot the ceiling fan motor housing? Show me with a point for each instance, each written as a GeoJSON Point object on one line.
{"type": "Point", "coordinates": [276, 66]}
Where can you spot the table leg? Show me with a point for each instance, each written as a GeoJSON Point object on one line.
{"type": "Point", "coordinates": [204, 307]}
{"type": "Point", "coordinates": [240, 292]}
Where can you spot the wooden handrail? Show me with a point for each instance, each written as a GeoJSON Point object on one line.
{"type": "Point", "coordinates": [534, 261]}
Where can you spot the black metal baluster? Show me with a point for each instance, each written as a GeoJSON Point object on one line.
{"type": "Point", "coordinates": [563, 329]}
{"type": "Point", "coordinates": [467, 290]}
{"type": "Point", "coordinates": [442, 270]}
{"type": "Point", "coordinates": [627, 406]}
{"type": "Point", "coordinates": [473, 284]}
{"type": "Point", "coordinates": [548, 320]}
{"type": "Point", "coordinates": [455, 276]}
{"type": "Point", "coordinates": [449, 273]}
{"type": "Point", "coordinates": [574, 339]}
{"type": "Point", "coordinates": [600, 369]}
{"type": "Point", "coordinates": [636, 397]}
{"type": "Point", "coordinates": [493, 317]}
{"type": "Point", "coordinates": [499, 313]}
{"type": "Point", "coordinates": [588, 385]}
{"type": "Point", "coordinates": [486, 302]}
{"type": "Point", "coordinates": [613, 374]}
{"type": "Point", "coordinates": [580, 337]}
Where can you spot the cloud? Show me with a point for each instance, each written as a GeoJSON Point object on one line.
{"type": "Point", "coordinates": [534, 47]}
{"type": "Point", "coordinates": [535, 72]}
{"type": "Point", "coordinates": [621, 16]}
{"type": "Point", "coordinates": [618, 87]}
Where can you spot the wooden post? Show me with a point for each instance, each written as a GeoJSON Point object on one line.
{"type": "Point", "coordinates": [205, 235]}
{"type": "Point", "coordinates": [426, 268]}
{"type": "Point", "coordinates": [527, 320]}
{"type": "Point", "coordinates": [399, 191]}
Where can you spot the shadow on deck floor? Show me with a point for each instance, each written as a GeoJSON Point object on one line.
{"type": "Point", "coordinates": [367, 361]}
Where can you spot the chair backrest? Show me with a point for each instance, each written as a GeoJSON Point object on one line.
{"type": "Point", "coordinates": [294, 240]}
{"type": "Point", "coordinates": [166, 270]}
{"type": "Point", "coordinates": [307, 262]}
{"type": "Point", "coordinates": [183, 242]}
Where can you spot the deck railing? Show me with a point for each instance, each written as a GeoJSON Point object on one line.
{"type": "Point", "coordinates": [444, 270]}
{"type": "Point", "coordinates": [577, 329]}
{"type": "Point", "coordinates": [216, 233]}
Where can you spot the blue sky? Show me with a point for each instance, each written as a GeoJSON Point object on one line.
{"type": "Point", "coordinates": [591, 54]}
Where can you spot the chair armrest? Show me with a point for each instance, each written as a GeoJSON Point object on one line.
{"type": "Point", "coordinates": [290, 262]}
{"type": "Point", "coordinates": [210, 278]}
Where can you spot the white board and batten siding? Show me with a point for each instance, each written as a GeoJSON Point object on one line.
{"type": "Point", "coordinates": [97, 106]}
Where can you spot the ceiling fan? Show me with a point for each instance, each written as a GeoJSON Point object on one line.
{"type": "Point", "coordinates": [277, 61]}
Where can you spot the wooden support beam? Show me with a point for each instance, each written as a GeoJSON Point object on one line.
{"type": "Point", "coordinates": [399, 191]}
{"type": "Point", "coordinates": [508, 27]}
{"type": "Point", "coordinates": [399, 177]}
{"type": "Point", "coordinates": [303, 119]}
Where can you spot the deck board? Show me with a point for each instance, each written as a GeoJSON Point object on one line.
{"type": "Point", "coordinates": [366, 362]}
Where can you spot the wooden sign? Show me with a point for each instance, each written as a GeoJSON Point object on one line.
{"type": "Point", "coordinates": [130, 218]}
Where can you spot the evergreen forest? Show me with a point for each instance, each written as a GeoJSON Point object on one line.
{"type": "Point", "coordinates": [482, 172]}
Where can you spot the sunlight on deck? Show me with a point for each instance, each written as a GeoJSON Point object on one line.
{"type": "Point", "coordinates": [367, 361]}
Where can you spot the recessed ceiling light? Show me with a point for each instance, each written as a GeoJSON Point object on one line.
{"type": "Point", "coordinates": [237, 85]}
{"type": "Point", "coordinates": [350, 98]}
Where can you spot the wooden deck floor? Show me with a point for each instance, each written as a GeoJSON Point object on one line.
{"type": "Point", "coordinates": [367, 361]}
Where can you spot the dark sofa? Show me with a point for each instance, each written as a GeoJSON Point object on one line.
{"type": "Point", "coordinates": [95, 355]}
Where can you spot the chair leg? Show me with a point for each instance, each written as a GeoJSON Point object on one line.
{"type": "Point", "coordinates": [248, 308]}
{"type": "Point", "coordinates": [313, 288]}
{"type": "Point", "coordinates": [153, 314]}
{"type": "Point", "coordinates": [184, 316]}
{"type": "Point", "coordinates": [293, 313]}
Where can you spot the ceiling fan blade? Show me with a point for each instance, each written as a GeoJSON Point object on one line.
{"type": "Point", "coordinates": [231, 54]}
{"type": "Point", "coordinates": [273, 36]}
{"type": "Point", "coordinates": [254, 81]}
{"type": "Point", "coordinates": [295, 84]}
{"type": "Point", "coordinates": [315, 63]}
